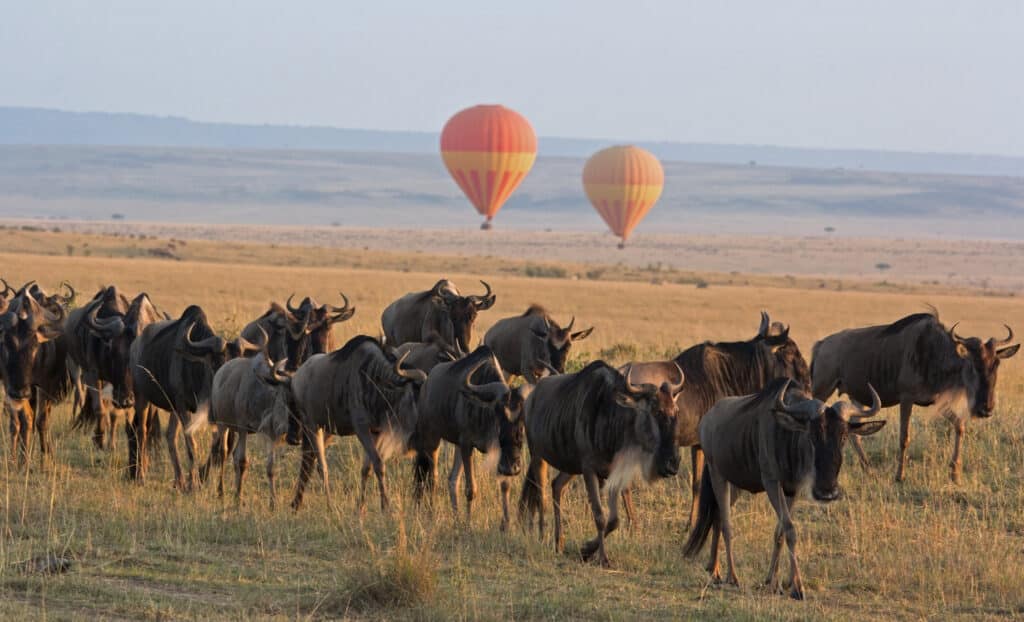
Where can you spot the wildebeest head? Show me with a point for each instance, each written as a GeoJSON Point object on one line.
{"type": "Point", "coordinates": [981, 368]}
{"type": "Point", "coordinates": [308, 327]}
{"type": "Point", "coordinates": [557, 340]}
{"type": "Point", "coordinates": [24, 328]}
{"type": "Point", "coordinates": [52, 302]}
{"type": "Point", "coordinates": [282, 416]}
{"type": "Point", "coordinates": [827, 428]}
{"type": "Point", "coordinates": [656, 419]}
{"type": "Point", "coordinates": [458, 312]}
{"type": "Point", "coordinates": [507, 405]}
{"type": "Point", "coordinates": [117, 330]}
{"type": "Point", "coordinates": [787, 360]}
{"type": "Point", "coordinates": [202, 345]}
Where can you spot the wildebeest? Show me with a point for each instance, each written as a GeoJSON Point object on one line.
{"type": "Point", "coordinates": [100, 335]}
{"type": "Point", "coordinates": [251, 395]}
{"type": "Point", "coordinates": [723, 369]}
{"type": "Point", "coordinates": [33, 352]}
{"type": "Point", "coordinates": [297, 333]}
{"type": "Point", "coordinates": [775, 441]}
{"type": "Point", "coordinates": [361, 389]}
{"type": "Point", "coordinates": [441, 310]}
{"type": "Point", "coordinates": [425, 355]}
{"type": "Point", "coordinates": [913, 361]}
{"type": "Point", "coordinates": [469, 404]}
{"type": "Point", "coordinates": [532, 344]}
{"type": "Point", "coordinates": [172, 365]}
{"type": "Point", "coordinates": [597, 423]}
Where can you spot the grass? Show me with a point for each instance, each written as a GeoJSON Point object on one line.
{"type": "Point", "coordinates": [925, 548]}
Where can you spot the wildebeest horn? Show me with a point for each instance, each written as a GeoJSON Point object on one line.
{"type": "Point", "coordinates": [1009, 336]}
{"type": "Point", "coordinates": [676, 387]}
{"type": "Point", "coordinates": [486, 301]}
{"type": "Point", "coordinates": [108, 327]}
{"type": "Point", "coordinates": [291, 309]}
{"type": "Point", "coordinates": [765, 323]}
{"type": "Point", "coordinates": [7, 287]}
{"type": "Point", "coordinates": [340, 314]}
{"type": "Point", "coordinates": [245, 346]}
{"type": "Point", "coordinates": [867, 411]}
{"type": "Point", "coordinates": [213, 343]}
{"type": "Point", "coordinates": [644, 389]}
{"type": "Point", "coordinates": [71, 293]}
{"type": "Point", "coordinates": [416, 375]}
{"type": "Point", "coordinates": [780, 401]}
{"type": "Point", "coordinates": [952, 334]}
{"type": "Point", "coordinates": [303, 329]}
{"type": "Point", "coordinates": [490, 392]}
{"type": "Point", "coordinates": [571, 323]}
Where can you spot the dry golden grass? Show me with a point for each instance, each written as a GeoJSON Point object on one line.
{"type": "Point", "coordinates": [926, 548]}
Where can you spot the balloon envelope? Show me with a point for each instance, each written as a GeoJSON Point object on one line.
{"type": "Point", "coordinates": [488, 150]}
{"type": "Point", "coordinates": [623, 183]}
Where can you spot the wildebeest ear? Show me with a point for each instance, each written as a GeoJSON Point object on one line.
{"type": "Point", "coordinates": [1006, 353]}
{"type": "Point", "coordinates": [962, 351]}
{"type": "Point", "coordinates": [789, 422]}
{"type": "Point", "coordinates": [867, 428]}
{"type": "Point", "coordinates": [583, 334]}
{"type": "Point", "coordinates": [625, 401]}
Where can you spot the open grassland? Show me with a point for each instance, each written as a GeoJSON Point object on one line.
{"type": "Point", "coordinates": [925, 548]}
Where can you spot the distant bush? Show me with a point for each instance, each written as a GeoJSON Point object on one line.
{"type": "Point", "coordinates": [882, 266]}
{"type": "Point", "coordinates": [595, 274]}
{"type": "Point", "coordinates": [117, 216]}
{"type": "Point", "coordinates": [701, 284]}
{"type": "Point", "coordinates": [542, 271]}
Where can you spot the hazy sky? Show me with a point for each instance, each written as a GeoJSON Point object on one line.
{"type": "Point", "coordinates": [898, 74]}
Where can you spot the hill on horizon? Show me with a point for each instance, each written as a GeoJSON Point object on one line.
{"type": "Point", "coordinates": [39, 126]}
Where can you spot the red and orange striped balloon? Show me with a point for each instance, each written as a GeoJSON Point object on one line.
{"type": "Point", "coordinates": [488, 151]}
{"type": "Point", "coordinates": [623, 183]}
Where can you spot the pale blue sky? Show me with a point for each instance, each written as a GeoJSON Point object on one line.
{"type": "Point", "coordinates": [909, 75]}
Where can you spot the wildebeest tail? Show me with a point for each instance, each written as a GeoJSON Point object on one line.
{"type": "Point", "coordinates": [218, 452]}
{"type": "Point", "coordinates": [707, 516]}
{"type": "Point", "coordinates": [423, 473]}
{"type": "Point", "coordinates": [531, 499]}
{"type": "Point", "coordinates": [84, 415]}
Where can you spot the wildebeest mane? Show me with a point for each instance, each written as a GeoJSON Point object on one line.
{"type": "Point", "coordinates": [900, 325]}
{"type": "Point", "coordinates": [535, 309]}
{"type": "Point", "coordinates": [717, 370]}
{"type": "Point", "coordinates": [354, 344]}
{"type": "Point", "coordinates": [487, 373]}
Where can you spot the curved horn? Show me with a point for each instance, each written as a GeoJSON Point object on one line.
{"type": "Point", "coordinates": [765, 323]}
{"type": "Point", "coordinates": [647, 389]}
{"type": "Point", "coordinates": [780, 401]}
{"type": "Point", "coordinates": [7, 287]}
{"type": "Point", "coordinates": [676, 387]}
{"type": "Point", "coordinates": [1009, 336]}
{"type": "Point", "coordinates": [490, 392]}
{"type": "Point", "coordinates": [278, 371]}
{"type": "Point", "coordinates": [867, 411]}
{"type": "Point", "coordinates": [416, 375]}
{"type": "Point", "coordinates": [486, 301]}
{"type": "Point", "coordinates": [952, 334]}
{"type": "Point", "coordinates": [66, 300]}
{"type": "Point", "coordinates": [213, 343]}
{"type": "Point", "coordinates": [296, 330]}
{"type": "Point", "coordinates": [108, 328]}
{"type": "Point", "coordinates": [260, 345]}
{"type": "Point", "coordinates": [288, 304]}
{"type": "Point", "coordinates": [571, 323]}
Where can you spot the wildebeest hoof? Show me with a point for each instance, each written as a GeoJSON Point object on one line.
{"type": "Point", "coordinates": [587, 550]}
{"type": "Point", "coordinates": [796, 594]}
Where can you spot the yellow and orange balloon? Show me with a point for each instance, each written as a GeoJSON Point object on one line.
{"type": "Point", "coordinates": [623, 183]}
{"type": "Point", "coordinates": [488, 151]}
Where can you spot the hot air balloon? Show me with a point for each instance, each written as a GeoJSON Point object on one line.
{"type": "Point", "coordinates": [488, 151]}
{"type": "Point", "coordinates": [623, 183]}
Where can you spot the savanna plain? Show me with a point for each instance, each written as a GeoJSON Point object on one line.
{"type": "Point", "coordinates": [925, 548]}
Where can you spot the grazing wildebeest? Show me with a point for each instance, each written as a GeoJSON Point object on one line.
{"type": "Point", "coordinates": [441, 310]}
{"type": "Point", "coordinates": [597, 423]}
{"type": "Point", "coordinates": [33, 352]}
{"type": "Point", "coordinates": [469, 404]}
{"type": "Point", "coordinates": [425, 355]}
{"type": "Point", "coordinates": [100, 335]}
{"type": "Point", "coordinates": [775, 441]}
{"type": "Point", "coordinates": [361, 389]}
{"type": "Point", "coordinates": [251, 395]}
{"type": "Point", "coordinates": [724, 369]}
{"type": "Point", "coordinates": [532, 344]}
{"type": "Point", "coordinates": [913, 361]}
{"type": "Point", "coordinates": [297, 333]}
{"type": "Point", "coordinates": [172, 365]}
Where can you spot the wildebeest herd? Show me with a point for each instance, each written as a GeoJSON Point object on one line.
{"type": "Point", "coordinates": [753, 413]}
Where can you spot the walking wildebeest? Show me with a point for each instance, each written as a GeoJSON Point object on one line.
{"type": "Point", "coordinates": [425, 355]}
{"type": "Point", "coordinates": [441, 310]}
{"type": "Point", "coordinates": [469, 404]}
{"type": "Point", "coordinates": [532, 344]}
{"type": "Point", "coordinates": [33, 352]}
{"type": "Point", "coordinates": [251, 395]}
{"type": "Point", "coordinates": [913, 361]}
{"type": "Point", "coordinates": [762, 443]}
{"type": "Point", "coordinates": [296, 333]}
{"type": "Point", "coordinates": [100, 335]}
{"type": "Point", "coordinates": [724, 369]}
{"type": "Point", "coordinates": [360, 389]}
{"type": "Point", "coordinates": [597, 423]}
{"type": "Point", "coordinates": [172, 365]}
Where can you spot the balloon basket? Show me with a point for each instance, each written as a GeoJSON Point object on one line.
{"type": "Point", "coordinates": [486, 225]}
{"type": "Point", "coordinates": [622, 245]}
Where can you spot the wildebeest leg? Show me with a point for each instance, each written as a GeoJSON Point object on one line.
{"type": "Point", "coordinates": [171, 435]}
{"type": "Point", "coordinates": [220, 447]}
{"type": "Point", "coordinates": [590, 547]}
{"type": "Point", "coordinates": [905, 408]}
{"type": "Point", "coordinates": [696, 468]}
{"type": "Point", "coordinates": [859, 448]}
{"type": "Point", "coordinates": [960, 428]}
{"type": "Point", "coordinates": [594, 496]}
{"type": "Point", "coordinates": [453, 481]}
{"type": "Point", "coordinates": [305, 467]}
{"type": "Point", "coordinates": [42, 411]}
{"type": "Point", "coordinates": [364, 477]}
{"type": "Point", "coordinates": [14, 426]}
{"type": "Point", "coordinates": [191, 451]}
{"type": "Point", "coordinates": [557, 486]}
{"type": "Point", "coordinates": [627, 504]}
{"type": "Point", "coordinates": [723, 495]}
{"type": "Point", "coordinates": [775, 496]}
{"type": "Point", "coordinates": [504, 487]}
{"type": "Point", "coordinates": [466, 451]}
{"type": "Point", "coordinates": [320, 441]}
{"type": "Point", "coordinates": [273, 445]}
{"type": "Point", "coordinates": [153, 429]}
{"type": "Point", "coordinates": [241, 464]}
{"type": "Point", "coordinates": [773, 565]}
{"type": "Point", "coordinates": [136, 433]}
